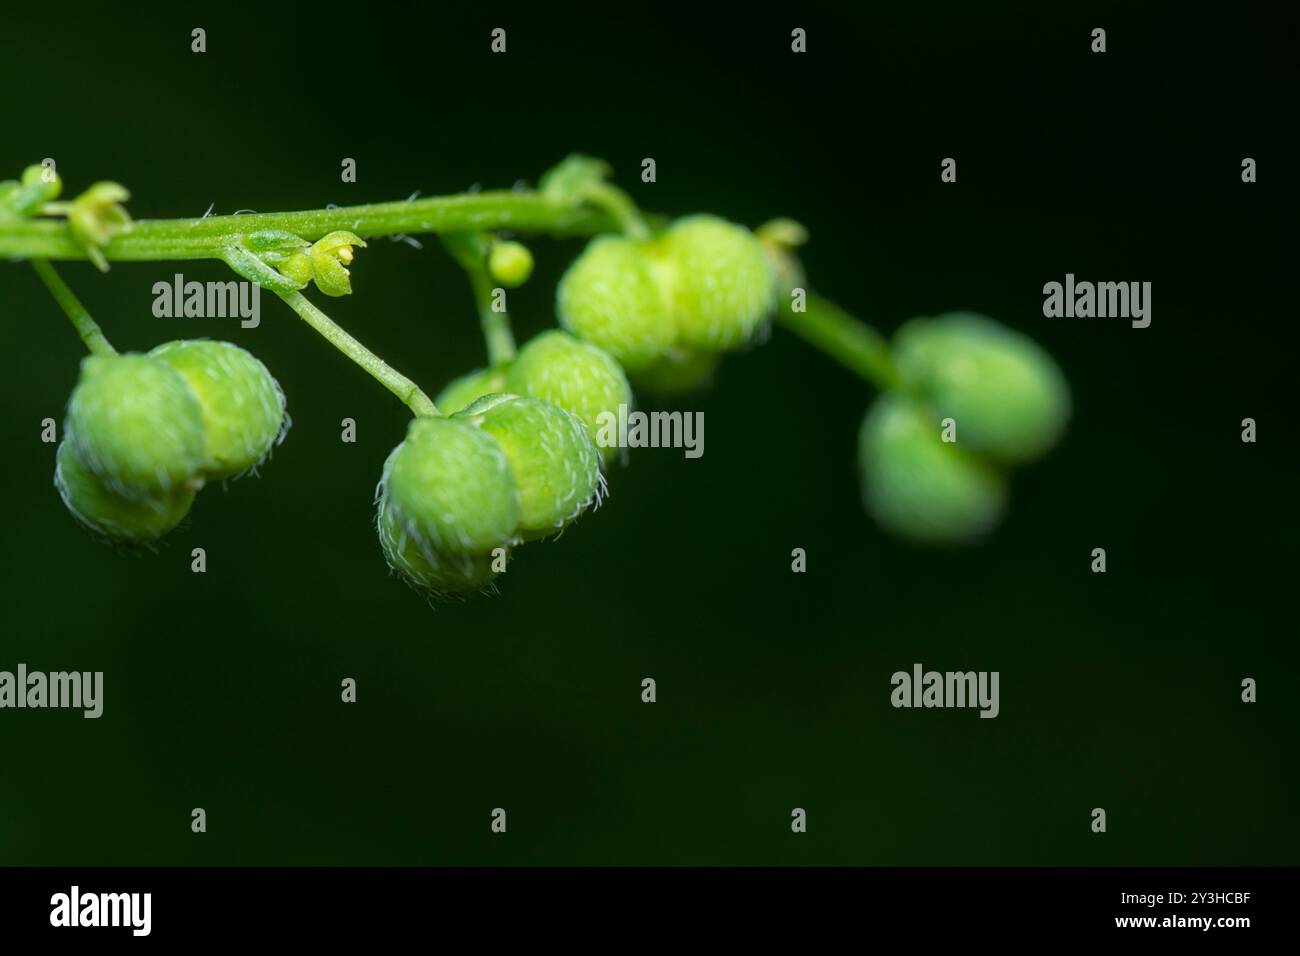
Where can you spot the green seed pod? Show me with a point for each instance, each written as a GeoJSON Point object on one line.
{"type": "Point", "coordinates": [555, 464]}
{"type": "Point", "coordinates": [110, 514]}
{"type": "Point", "coordinates": [242, 405]}
{"type": "Point", "coordinates": [1006, 394]}
{"type": "Point", "coordinates": [136, 425]}
{"type": "Point", "coordinates": [610, 296]}
{"type": "Point", "coordinates": [462, 391]}
{"type": "Point", "coordinates": [722, 283]}
{"type": "Point", "coordinates": [446, 501]}
{"type": "Point", "coordinates": [678, 372]}
{"type": "Point", "coordinates": [919, 486]}
{"type": "Point", "coordinates": [577, 376]}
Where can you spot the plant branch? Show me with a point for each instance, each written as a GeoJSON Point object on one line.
{"type": "Point", "coordinates": [381, 371]}
{"type": "Point", "coordinates": [86, 327]}
{"type": "Point", "coordinates": [170, 239]}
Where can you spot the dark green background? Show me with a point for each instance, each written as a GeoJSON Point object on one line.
{"type": "Point", "coordinates": [1118, 690]}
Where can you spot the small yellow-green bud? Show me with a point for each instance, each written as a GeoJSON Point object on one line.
{"type": "Point", "coordinates": [510, 263]}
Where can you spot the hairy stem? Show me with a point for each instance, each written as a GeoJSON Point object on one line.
{"type": "Point", "coordinates": [852, 343]}
{"type": "Point", "coordinates": [170, 239]}
{"type": "Point", "coordinates": [381, 371]}
{"type": "Point", "coordinates": [86, 327]}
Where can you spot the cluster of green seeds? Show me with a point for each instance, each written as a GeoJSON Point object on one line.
{"type": "Point", "coordinates": [667, 307]}
{"type": "Point", "coordinates": [518, 457]}
{"type": "Point", "coordinates": [145, 432]}
{"type": "Point", "coordinates": [1005, 401]}
{"type": "Point", "coordinates": [514, 459]}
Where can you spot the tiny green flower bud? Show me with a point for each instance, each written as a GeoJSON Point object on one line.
{"type": "Point", "coordinates": [572, 177]}
{"type": "Point", "coordinates": [1006, 394]}
{"type": "Point", "coordinates": [242, 405]}
{"type": "Point", "coordinates": [611, 297]}
{"type": "Point", "coordinates": [330, 257]}
{"type": "Point", "coordinates": [110, 514]}
{"type": "Point", "coordinates": [678, 372]}
{"type": "Point", "coordinates": [462, 391]}
{"type": "Point", "coordinates": [919, 486]}
{"type": "Point", "coordinates": [446, 501]}
{"type": "Point", "coordinates": [48, 182]}
{"type": "Point", "coordinates": [722, 284]}
{"type": "Point", "coordinates": [96, 216]}
{"type": "Point", "coordinates": [577, 376]}
{"type": "Point", "coordinates": [554, 461]}
{"type": "Point", "coordinates": [135, 424]}
{"type": "Point", "coordinates": [510, 263]}
{"type": "Point", "coordinates": [25, 198]}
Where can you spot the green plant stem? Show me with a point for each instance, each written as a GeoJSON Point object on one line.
{"type": "Point", "coordinates": [171, 239]}
{"type": "Point", "coordinates": [470, 249]}
{"type": "Point", "coordinates": [620, 207]}
{"type": "Point", "coordinates": [381, 371]}
{"type": "Point", "coordinates": [852, 343]}
{"type": "Point", "coordinates": [497, 333]}
{"type": "Point", "coordinates": [86, 327]}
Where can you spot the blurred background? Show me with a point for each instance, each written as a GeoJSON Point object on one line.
{"type": "Point", "coordinates": [1119, 690]}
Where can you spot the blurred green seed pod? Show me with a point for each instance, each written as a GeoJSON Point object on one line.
{"type": "Point", "coordinates": [136, 425]}
{"type": "Point", "coordinates": [678, 372]}
{"type": "Point", "coordinates": [243, 406]}
{"type": "Point", "coordinates": [447, 500]}
{"type": "Point", "coordinates": [723, 288]}
{"type": "Point", "coordinates": [611, 297]}
{"type": "Point", "coordinates": [577, 376]}
{"type": "Point", "coordinates": [919, 486]}
{"type": "Point", "coordinates": [463, 391]}
{"type": "Point", "coordinates": [554, 461]}
{"type": "Point", "coordinates": [510, 263]}
{"type": "Point", "coordinates": [105, 511]}
{"type": "Point", "coordinates": [1007, 395]}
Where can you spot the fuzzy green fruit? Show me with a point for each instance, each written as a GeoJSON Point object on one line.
{"type": "Point", "coordinates": [611, 298]}
{"type": "Point", "coordinates": [447, 500]}
{"type": "Point", "coordinates": [242, 405]}
{"type": "Point", "coordinates": [678, 372]}
{"type": "Point", "coordinates": [136, 425]}
{"type": "Point", "coordinates": [463, 391]}
{"type": "Point", "coordinates": [919, 486]}
{"type": "Point", "coordinates": [555, 464]}
{"type": "Point", "coordinates": [577, 376]}
{"type": "Point", "coordinates": [723, 288]}
{"type": "Point", "coordinates": [103, 510]}
{"type": "Point", "coordinates": [1006, 394]}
